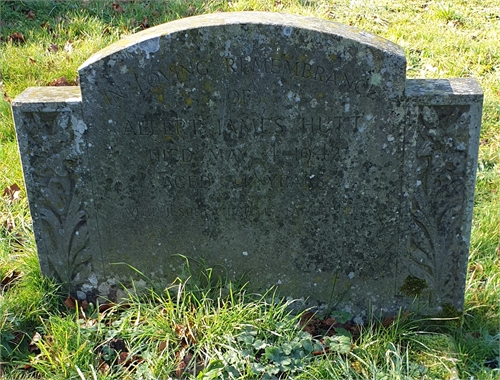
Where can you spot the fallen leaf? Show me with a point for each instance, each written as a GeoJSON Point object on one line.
{"type": "Point", "coordinates": [388, 321]}
{"type": "Point", "coordinates": [180, 331]}
{"type": "Point", "coordinates": [181, 367]}
{"type": "Point", "coordinates": [310, 323]}
{"type": "Point", "coordinates": [84, 305]}
{"type": "Point", "coordinates": [162, 345]}
{"type": "Point", "coordinates": [32, 61]}
{"type": "Point", "coordinates": [117, 7]}
{"type": "Point", "coordinates": [185, 334]}
{"type": "Point", "coordinates": [455, 23]}
{"type": "Point", "coordinates": [10, 279]}
{"type": "Point", "coordinates": [32, 347]}
{"type": "Point", "coordinates": [7, 97]}
{"type": "Point", "coordinates": [70, 303]}
{"type": "Point", "coordinates": [324, 351]}
{"type": "Point", "coordinates": [306, 317]}
{"type": "Point", "coordinates": [9, 224]}
{"type": "Point", "coordinates": [30, 15]}
{"type": "Point", "coordinates": [68, 47]}
{"type": "Point", "coordinates": [45, 25]}
{"type": "Point", "coordinates": [329, 321]}
{"type": "Point", "coordinates": [186, 360]}
{"type": "Point", "coordinates": [190, 11]}
{"type": "Point", "coordinates": [115, 351]}
{"type": "Point", "coordinates": [88, 322]}
{"type": "Point", "coordinates": [430, 68]}
{"type": "Point", "coordinates": [13, 192]}
{"type": "Point", "coordinates": [144, 23]}
{"type": "Point", "coordinates": [122, 357]}
{"type": "Point", "coordinates": [127, 360]}
{"type": "Point", "coordinates": [105, 306]}
{"type": "Point", "coordinates": [476, 267]}
{"type": "Point", "coordinates": [62, 81]}
{"type": "Point", "coordinates": [53, 48]}
{"type": "Point", "coordinates": [103, 367]}
{"type": "Point", "coordinates": [18, 239]}
{"type": "Point", "coordinates": [16, 38]}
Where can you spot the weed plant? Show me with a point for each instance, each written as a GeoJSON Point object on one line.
{"type": "Point", "coordinates": [205, 327]}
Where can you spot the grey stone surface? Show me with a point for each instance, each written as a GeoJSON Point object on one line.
{"type": "Point", "coordinates": [287, 149]}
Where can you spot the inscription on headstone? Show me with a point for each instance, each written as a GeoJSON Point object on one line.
{"type": "Point", "coordinates": [288, 149]}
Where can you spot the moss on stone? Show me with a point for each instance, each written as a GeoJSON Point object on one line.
{"type": "Point", "coordinates": [425, 348]}
{"type": "Point", "coordinates": [413, 286]}
{"type": "Point", "coordinates": [449, 312]}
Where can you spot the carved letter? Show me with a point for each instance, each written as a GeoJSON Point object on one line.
{"type": "Point", "coordinates": [230, 65]}
{"type": "Point", "coordinates": [306, 71]}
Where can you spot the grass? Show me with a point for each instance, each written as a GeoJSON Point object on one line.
{"type": "Point", "coordinates": [204, 327]}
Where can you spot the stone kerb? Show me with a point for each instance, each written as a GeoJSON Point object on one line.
{"type": "Point", "coordinates": [288, 149]}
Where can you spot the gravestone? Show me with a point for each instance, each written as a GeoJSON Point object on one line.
{"type": "Point", "coordinates": [289, 150]}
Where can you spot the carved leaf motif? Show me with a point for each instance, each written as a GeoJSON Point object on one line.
{"type": "Point", "coordinates": [79, 237]}
{"type": "Point", "coordinates": [423, 245]}
{"type": "Point", "coordinates": [438, 202]}
{"type": "Point", "coordinates": [65, 233]}
{"type": "Point", "coordinates": [76, 240]}
{"type": "Point", "coordinates": [55, 195]}
{"type": "Point", "coordinates": [53, 228]}
{"type": "Point", "coordinates": [67, 225]}
{"type": "Point", "coordinates": [417, 254]}
{"type": "Point", "coordinates": [425, 240]}
{"type": "Point", "coordinates": [78, 250]}
{"type": "Point", "coordinates": [58, 266]}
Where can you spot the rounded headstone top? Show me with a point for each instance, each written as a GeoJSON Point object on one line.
{"type": "Point", "coordinates": [148, 40]}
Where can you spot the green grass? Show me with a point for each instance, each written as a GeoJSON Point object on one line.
{"type": "Point", "coordinates": [203, 319]}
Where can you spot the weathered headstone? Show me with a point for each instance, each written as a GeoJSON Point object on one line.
{"type": "Point", "coordinates": [288, 149]}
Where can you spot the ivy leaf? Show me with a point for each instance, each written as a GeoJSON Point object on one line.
{"type": "Point", "coordinates": [259, 344]}
{"type": "Point", "coordinates": [277, 356]}
{"type": "Point", "coordinates": [343, 332]}
{"type": "Point", "coordinates": [246, 338]}
{"type": "Point", "coordinates": [287, 348]}
{"type": "Point", "coordinates": [269, 372]}
{"type": "Point", "coordinates": [308, 345]}
{"type": "Point", "coordinates": [257, 368]}
{"type": "Point", "coordinates": [338, 343]}
{"type": "Point", "coordinates": [341, 316]}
